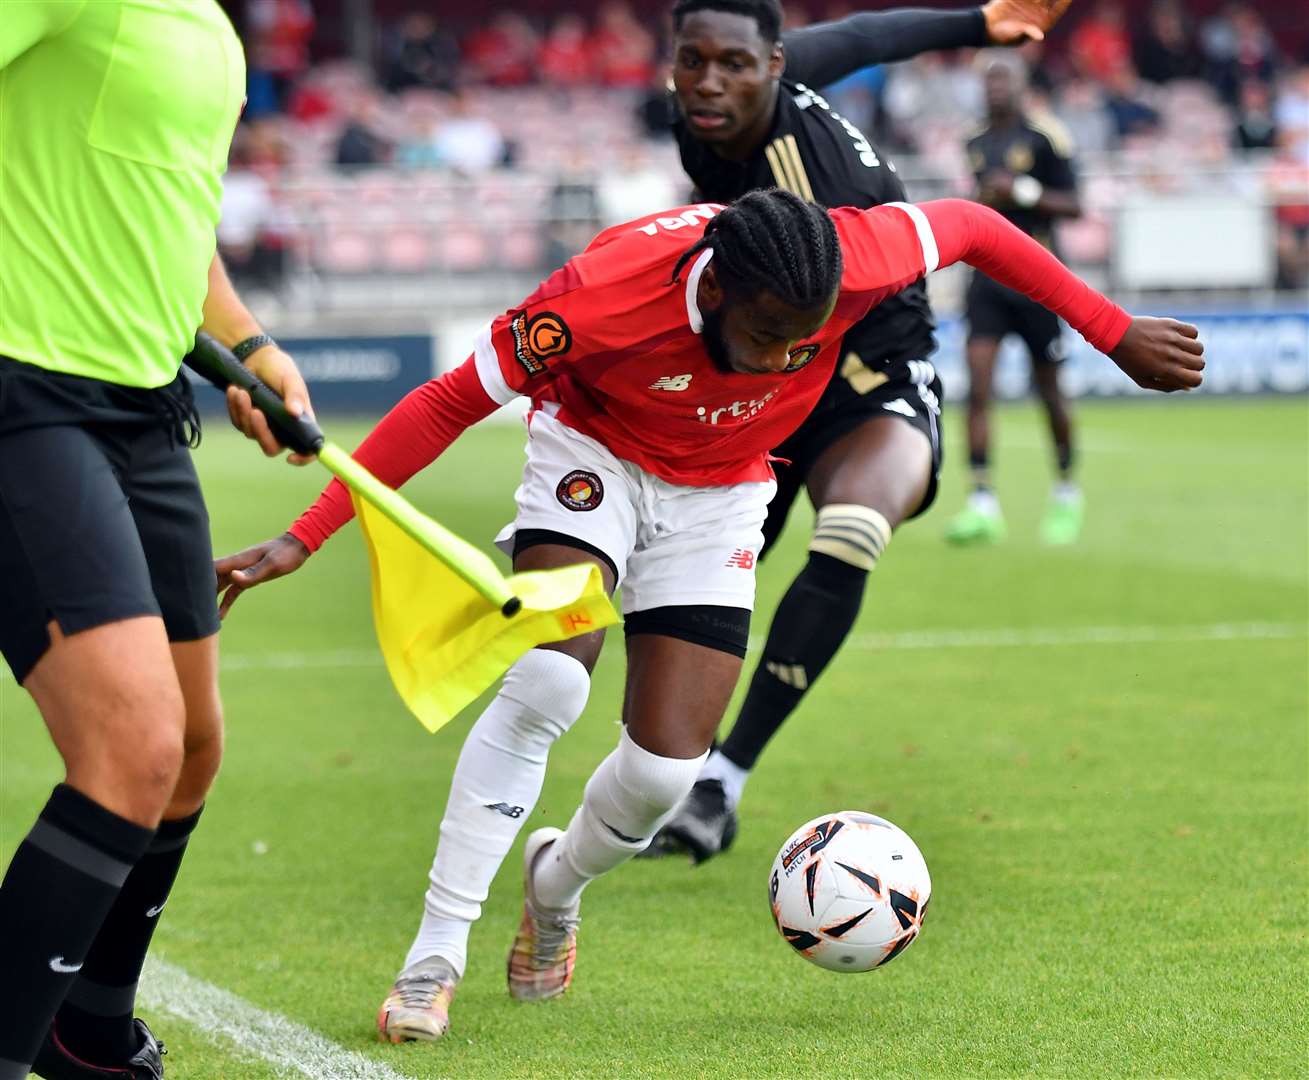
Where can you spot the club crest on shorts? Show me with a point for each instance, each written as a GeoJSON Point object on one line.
{"type": "Point", "coordinates": [538, 339]}
{"type": "Point", "coordinates": [800, 356]}
{"type": "Point", "coordinates": [580, 490]}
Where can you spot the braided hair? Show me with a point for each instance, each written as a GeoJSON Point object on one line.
{"type": "Point", "coordinates": [767, 14]}
{"type": "Point", "coordinates": [771, 240]}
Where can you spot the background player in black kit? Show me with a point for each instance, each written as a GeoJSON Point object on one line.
{"type": "Point", "coordinates": [869, 454]}
{"type": "Point", "coordinates": [1024, 170]}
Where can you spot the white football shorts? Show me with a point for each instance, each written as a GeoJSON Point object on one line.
{"type": "Point", "coordinates": [671, 545]}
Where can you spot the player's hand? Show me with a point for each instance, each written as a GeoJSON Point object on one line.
{"type": "Point", "coordinates": [255, 565]}
{"type": "Point", "coordinates": [1161, 354]}
{"type": "Point", "coordinates": [1011, 22]}
{"type": "Point", "coordinates": [279, 372]}
{"type": "Point", "coordinates": [997, 189]}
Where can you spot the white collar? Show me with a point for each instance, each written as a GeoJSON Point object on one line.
{"type": "Point", "coordinates": [693, 316]}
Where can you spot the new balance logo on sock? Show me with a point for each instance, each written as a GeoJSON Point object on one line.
{"type": "Point", "coordinates": [791, 674]}
{"type": "Point", "coordinates": [504, 808]}
{"type": "Point", "coordinates": [57, 965]}
{"type": "Point", "coordinates": [152, 912]}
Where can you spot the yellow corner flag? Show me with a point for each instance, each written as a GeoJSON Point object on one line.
{"type": "Point", "coordinates": [443, 641]}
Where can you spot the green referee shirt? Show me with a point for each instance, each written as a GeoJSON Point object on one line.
{"type": "Point", "coordinates": [115, 122]}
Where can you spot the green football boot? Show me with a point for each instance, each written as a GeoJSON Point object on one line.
{"type": "Point", "coordinates": [1062, 523]}
{"type": "Point", "coordinates": [979, 522]}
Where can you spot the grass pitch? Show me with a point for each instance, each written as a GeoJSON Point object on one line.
{"type": "Point", "coordinates": [1101, 751]}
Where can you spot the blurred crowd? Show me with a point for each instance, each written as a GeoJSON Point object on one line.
{"type": "Point", "coordinates": [576, 97]}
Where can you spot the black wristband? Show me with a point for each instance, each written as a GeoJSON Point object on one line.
{"type": "Point", "coordinates": [242, 349]}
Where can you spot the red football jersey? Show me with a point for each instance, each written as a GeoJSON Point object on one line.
{"type": "Point", "coordinates": [612, 343]}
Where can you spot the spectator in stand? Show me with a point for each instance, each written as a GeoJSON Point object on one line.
{"type": "Point", "coordinates": [565, 59]}
{"type": "Point", "coordinates": [1126, 105]}
{"type": "Point", "coordinates": [361, 141]}
{"type": "Point", "coordinates": [251, 234]}
{"type": "Point", "coordinates": [1165, 50]}
{"type": "Point", "coordinates": [278, 51]}
{"type": "Point", "coordinates": [469, 143]}
{"type": "Point", "coordinates": [1288, 183]}
{"type": "Point", "coordinates": [417, 148]}
{"type": "Point", "coordinates": [503, 53]}
{"type": "Point", "coordinates": [1081, 107]}
{"type": "Point", "coordinates": [623, 48]}
{"type": "Point", "coordinates": [1255, 126]}
{"type": "Point", "coordinates": [1099, 47]}
{"type": "Point", "coordinates": [928, 96]}
{"type": "Point", "coordinates": [1239, 48]}
{"type": "Point", "coordinates": [422, 55]}
{"type": "Point", "coordinates": [1291, 113]}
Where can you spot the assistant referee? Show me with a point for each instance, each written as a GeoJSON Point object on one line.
{"type": "Point", "coordinates": [115, 122]}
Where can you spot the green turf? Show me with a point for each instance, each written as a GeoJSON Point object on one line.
{"type": "Point", "coordinates": [1117, 832]}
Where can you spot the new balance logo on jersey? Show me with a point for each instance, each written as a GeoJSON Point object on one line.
{"type": "Point", "coordinates": [790, 674]}
{"type": "Point", "coordinates": [742, 559]}
{"type": "Point", "coordinates": [671, 382]}
{"type": "Point", "coordinates": [504, 808]}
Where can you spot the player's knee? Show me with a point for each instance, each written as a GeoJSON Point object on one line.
{"type": "Point", "coordinates": [552, 688]}
{"type": "Point", "coordinates": [853, 535]}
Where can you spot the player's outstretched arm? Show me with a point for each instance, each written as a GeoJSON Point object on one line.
{"type": "Point", "coordinates": [1157, 354]}
{"type": "Point", "coordinates": [826, 52]}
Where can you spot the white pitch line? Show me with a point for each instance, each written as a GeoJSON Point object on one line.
{"type": "Point", "coordinates": [990, 638]}
{"type": "Point", "coordinates": [290, 1048]}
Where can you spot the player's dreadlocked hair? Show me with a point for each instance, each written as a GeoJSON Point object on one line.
{"type": "Point", "coordinates": [766, 13]}
{"type": "Point", "coordinates": [774, 241]}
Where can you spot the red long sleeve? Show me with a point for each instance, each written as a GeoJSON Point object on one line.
{"type": "Point", "coordinates": [408, 438]}
{"type": "Point", "coordinates": [969, 232]}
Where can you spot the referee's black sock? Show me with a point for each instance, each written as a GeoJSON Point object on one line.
{"type": "Point", "coordinates": [58, 888]}
{"type": "Point", "coordinates": [95, 1020]}
{"type": "Point", "coordinates": [812, 621]}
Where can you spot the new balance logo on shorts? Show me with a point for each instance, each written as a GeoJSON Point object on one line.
{"type": "Point", "coordinates": [504, 808]}
{"type": "Point", "coordinates": [742, 559]}
{"type": "Point", "coordinates": [671, 382]}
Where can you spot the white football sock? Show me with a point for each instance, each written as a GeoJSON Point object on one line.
{"type": "Point", "coordinates": [729, 774]}
{"type": "Point", "coordinates": [1066, 491]}
{"type": "Point", "coordinates": [984, 502]}
{"type": "Point", "coordinates": [628, 799]}
{"type": "Point", "coordinates": [495, 786]}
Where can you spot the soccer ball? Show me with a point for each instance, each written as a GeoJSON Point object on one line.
{"type": "Point", "coordinates": [849, 891]}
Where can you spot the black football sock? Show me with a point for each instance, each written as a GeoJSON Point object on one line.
{"type": "Point", "coordinates": [58, 888]}
{"type": "Point", "coordinates": [812, 621]}
{"type": "Point", "coordinates": [95, 1020]}
{"type": "Point", "coordinates": [979, 468]}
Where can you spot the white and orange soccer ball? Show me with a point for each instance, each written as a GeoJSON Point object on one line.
{"type": "Point", "coordinates": [849, 891]}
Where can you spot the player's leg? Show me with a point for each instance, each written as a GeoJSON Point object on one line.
{"type": "Point", "coordinates": [677, 691]}
{"type": "Point", "coordinates": [687, 605]}
{"type": "Point", "coordinates": [95, 1022]}
{"type": "Point", "coordinates": [989, 320]}
{"type": "Point", "coordinates": [862, 488]}
{"type": "Point", "coordinates": [502, 764]}
{"type": "Point", "coordinates": [103, 680]}
{"type": "Point", "coordinates": [1062, 522]}
{"type": "Point", "coordinates": [980, 521]}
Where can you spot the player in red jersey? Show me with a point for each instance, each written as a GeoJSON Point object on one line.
{"type": "Point", "coordinates": [663, 364]}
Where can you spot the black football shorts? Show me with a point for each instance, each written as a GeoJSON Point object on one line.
{"type": "Point", "coordinates": [908, 390]}
{"type": "Point", "coordinates": [101, 516]}
{"type": "Point", "coordinates": [994, 310]}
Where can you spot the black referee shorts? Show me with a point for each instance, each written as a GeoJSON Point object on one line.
{"type": "Point", "coordinates": [910, 391]}
{"type": "Point", "coordinates": [101, 516]}
{"type": "Point", "coordinates": [994, 310]}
